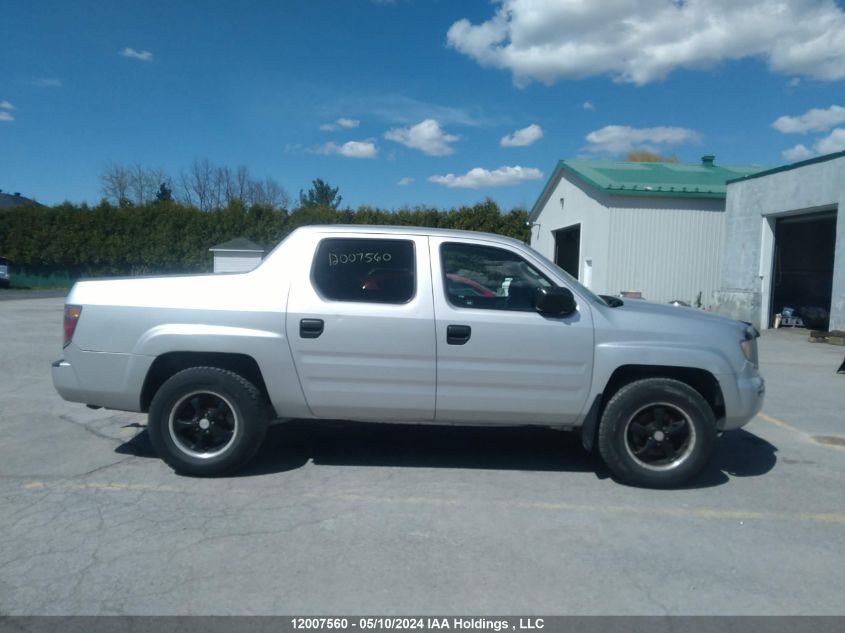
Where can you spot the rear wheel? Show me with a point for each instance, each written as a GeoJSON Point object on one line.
{"type": "Point", "coordinates": [206, 421]}
{"type": "Point", "coordinates": [657, 432]}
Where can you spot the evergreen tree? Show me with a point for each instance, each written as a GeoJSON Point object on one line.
{"type": "Point", "coordinates": [321, 194]}
{"type": "Point", "coordinates": [165, 193]}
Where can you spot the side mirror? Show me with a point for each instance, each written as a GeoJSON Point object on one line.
{"type": "Point", "coordinates": [555, 301]}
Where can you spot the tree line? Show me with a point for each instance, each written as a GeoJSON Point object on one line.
{"type": "Point", "coordinates": [170, 236]}
{"type": "Point", "coordinates": [203, 185]}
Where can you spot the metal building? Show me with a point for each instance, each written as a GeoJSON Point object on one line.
{"type": "Point", "coordinates": [785, 244]}
{"type": "Point", "coordinates": [652, 228]}
{"type": "Point", "coordinates": [239, 255]}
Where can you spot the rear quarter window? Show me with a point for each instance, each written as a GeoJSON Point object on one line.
{"type": "Point", "coordinates": [365, 270]}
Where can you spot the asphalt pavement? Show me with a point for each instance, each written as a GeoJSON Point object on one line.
{"type": "Point", "coordinates": [11, 294]}
{"type": "Point", "coordinates": [380, 519]}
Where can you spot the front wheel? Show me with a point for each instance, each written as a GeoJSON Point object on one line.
{"type": "Point", "coordinates": [206, 421]}
{"type": "Point", "coordinates": [657, 433]}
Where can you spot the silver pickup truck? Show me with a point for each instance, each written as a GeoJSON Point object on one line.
{"type": "Point", "coordinates": [407, 325]}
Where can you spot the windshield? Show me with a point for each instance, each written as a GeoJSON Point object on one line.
{"type": "Point", "coordinates": [569, 278]}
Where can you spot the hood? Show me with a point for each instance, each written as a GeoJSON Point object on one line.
{"type": "Point", "coordinates": [645, 321]}
{"type": "Point", "coordinates": [661, 310]}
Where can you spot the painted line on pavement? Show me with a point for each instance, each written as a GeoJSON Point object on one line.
{"type": "Point", "coordinates": [742, 515]}
{"type": "Point", "coordinates": [833, 442]}
{"type": "Point", "coordinates": [784, 425]}
{"type": "Point", "coordinates": [682, 513]}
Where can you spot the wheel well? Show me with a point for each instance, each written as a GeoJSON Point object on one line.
{"type": "Point", "coordinates": [699, 379]}
{"type": "Point", "coordinates": [167, 365]}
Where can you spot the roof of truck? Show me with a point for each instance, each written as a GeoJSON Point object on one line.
{"type": "Point", "coordinates": [405, 230]}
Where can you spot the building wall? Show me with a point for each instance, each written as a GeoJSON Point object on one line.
{"type": "Point", "coordinates": [752, 208]}
{"type": "Point", "coordinates": [667, 253]}
{"type": "Point", "coordinates": [578, 207]}
{"type": "Point", "coordinates": [235, 261]}
{"type": "Point", "coordinates": [666, 248]}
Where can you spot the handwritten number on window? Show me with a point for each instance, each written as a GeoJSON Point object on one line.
{"type": "Point", "coordinates": [339, 259]}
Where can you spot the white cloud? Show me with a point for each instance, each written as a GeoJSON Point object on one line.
{"type": "Point", "coordinates": [833, 142]}
{"type": "Point", "coordinates": [351, 149]}
{"type": "Point", "coordinates": [794, 154]}
{"type": "Point", "coordinates": [641, 41]}
{"type": "Point", "coordinates": [588, 105]}
{"type": "Point", "coordinates": [815, 120]}
{"type": "Point", "coordinates": [404, 182]}
{"type": "Point", "coordinates": [402, 110]}
{"type": "Point", "coordinates": [340, 123]}
{"type": "Point", "coordinates": [480, 177]}
{"type": "Point", "coordinates": [426, 136]}
{"type": "Point", "coordinates": [525, 136]}
{"type": "Point", "coordinates": [5, 105]}
{"type": "Point", "coordinates": [47, 82]}
{"type": "Point", "coordinates": [620, 139]}
{"type": "Point", "coordinates": [144, 56]}
{"type": "Point", "coordinates": [794, 82]}
{"type": "Point", "coordinates": [6, 116]}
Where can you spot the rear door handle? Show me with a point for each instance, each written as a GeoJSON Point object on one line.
{"type": "Point", "coordinates": [458, 334]}
{"type": "Point", "coordinates": [310, 328]}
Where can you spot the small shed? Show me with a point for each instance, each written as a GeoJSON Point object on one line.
{"type": "Point", "coordinates": [239, 255]}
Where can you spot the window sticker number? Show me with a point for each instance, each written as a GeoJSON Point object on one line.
{"type": "Point", "coordinates": [339, 259]}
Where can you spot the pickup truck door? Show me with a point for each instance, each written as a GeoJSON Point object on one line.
{"type": "Point", "coordinates": [498, 359]}
{"type": "Point", "coordinates": [360, 323]}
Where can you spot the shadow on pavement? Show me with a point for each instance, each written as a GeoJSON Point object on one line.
{"type": "Point", "coordinates": [419, 446]}
{"type": "Point", "coordinates": [738, 454]}
{"type": "Point", "coordinates": [291, 445]}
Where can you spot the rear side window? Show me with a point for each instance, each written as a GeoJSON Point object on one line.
{"type": "Point", "coordinates": [365, 270]}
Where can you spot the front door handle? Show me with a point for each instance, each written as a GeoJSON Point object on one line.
{"type": "Point", "coordinates": [310, 328]}
{"type": "Point", "coordinates": [458, 334]}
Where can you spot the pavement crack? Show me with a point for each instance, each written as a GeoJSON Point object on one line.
{"type": "Point", "coordinates": [99, 469]}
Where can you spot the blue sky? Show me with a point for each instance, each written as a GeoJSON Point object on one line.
{"type": "Point", "coordinates": [408, 102]}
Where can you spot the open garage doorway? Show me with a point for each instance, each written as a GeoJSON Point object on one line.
{"type": "Point", "coordinates": [802, 275]}
{"type": "Point", "coordinates": [568, 248]}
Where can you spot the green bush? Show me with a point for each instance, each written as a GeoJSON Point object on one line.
{"type": "Point", "coordinates": [65, 242]}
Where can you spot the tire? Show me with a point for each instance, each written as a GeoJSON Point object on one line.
{"type": "Point", "coordinates": [657, 433]}
{"type": "Point", "coordinates": [207, 422]}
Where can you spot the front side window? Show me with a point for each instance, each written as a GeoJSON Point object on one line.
{"type": "Point", "coordinates": [365, 270]}
{"type": "Point", "coordinates": [489, 278]}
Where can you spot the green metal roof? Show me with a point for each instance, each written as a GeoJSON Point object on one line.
{"type": "Point", "coordinates": [666, 180]}
{"type": "Point", "coordinates": [619, 178]}
{"type": "Point", "coordinates": [803, 163]}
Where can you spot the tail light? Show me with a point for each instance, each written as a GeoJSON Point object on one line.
{"type": "Point", "coordinates": [72, 314]}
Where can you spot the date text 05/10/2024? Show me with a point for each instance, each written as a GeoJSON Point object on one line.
{"type": "Point", "coordinates": [418, 624]}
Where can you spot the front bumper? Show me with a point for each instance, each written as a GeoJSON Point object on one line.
{"type": "Point", "coordinates": [745, 400]}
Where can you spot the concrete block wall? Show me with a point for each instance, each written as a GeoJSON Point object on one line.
{"type": "Point", "coordinates": [751, 209]}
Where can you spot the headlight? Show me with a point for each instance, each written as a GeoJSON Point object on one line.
{"type": "Point", "coordinates": [749, 345]}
